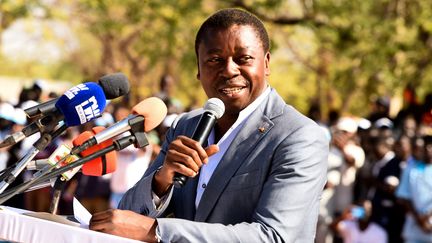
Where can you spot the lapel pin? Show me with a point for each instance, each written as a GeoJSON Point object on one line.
{"type": "Point", "coordinates": [261, 129]}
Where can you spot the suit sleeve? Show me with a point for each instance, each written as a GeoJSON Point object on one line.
{"type": "Point", "coordinates": [139, 197]}
{"type": "Point", "coordinates": [288, 207]}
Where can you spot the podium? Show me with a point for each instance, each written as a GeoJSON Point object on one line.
{"type": "Point", "coordinates": [17, 227]}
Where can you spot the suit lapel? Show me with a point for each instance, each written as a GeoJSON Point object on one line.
{"type": "Point", "coordinates": [255, 128]}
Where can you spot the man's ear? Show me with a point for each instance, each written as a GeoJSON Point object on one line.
{"type": "Point", "coordinates": [267, 64]}
{"type": "Point", "coordinates": [198, 72]}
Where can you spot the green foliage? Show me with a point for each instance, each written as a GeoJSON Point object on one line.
{"type": "Point", "coordinates": [339, 53]}
{"type": "Point", "coordinates": [364, 49]}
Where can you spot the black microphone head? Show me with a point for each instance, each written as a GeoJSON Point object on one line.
{"type": "Point", "coordinates": [215, 106]}
{"type": "Point", "coordinates": [114, 85]}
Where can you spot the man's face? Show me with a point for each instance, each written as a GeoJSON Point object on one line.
{"type": "Point", "coordinates": [233, 66]}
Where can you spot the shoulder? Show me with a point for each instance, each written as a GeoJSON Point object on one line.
{"type": "Point", "coordinates": [297, 126]}
{"type": "Point", "coordinates": [184, 122]}
{"type": "Point", "coordinates": [288, 119]}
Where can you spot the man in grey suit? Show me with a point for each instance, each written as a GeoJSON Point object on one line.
{"type": "Point", "coordinates": [261, 177]}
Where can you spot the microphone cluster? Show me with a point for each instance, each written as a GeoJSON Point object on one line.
{"type": "Point", "coordinates": [93, 152]}
{"type": "Point", "coordinates": [78, 105]}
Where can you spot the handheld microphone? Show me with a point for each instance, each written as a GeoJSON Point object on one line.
{"type": "Point", "coordinates": [113, 85]}
{"type": "Point", "coordinates": [152, 109]}
{"type": "Point", "coordinates": [214, 108]}
{"type": "Point", "coordinates": [76, 106]}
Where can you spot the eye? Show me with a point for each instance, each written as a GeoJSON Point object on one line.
{"type": "Point", "coordinates": [215, 60]}
{"type": "Point", "coordinates": [245, 59]}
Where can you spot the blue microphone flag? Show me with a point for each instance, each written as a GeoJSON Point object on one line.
{"type": "Point", "coordinates": [81, 103]}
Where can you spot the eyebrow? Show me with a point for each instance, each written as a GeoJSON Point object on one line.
{"type": "Point", "coordinates": [217, 50]}
{"type": "Point", "coordinates": [214, 51]}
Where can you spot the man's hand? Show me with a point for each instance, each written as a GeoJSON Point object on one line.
{"type": "Point", "coordinates": [184, 156]}
{"type": "Point", "coordinates": [125, 223]}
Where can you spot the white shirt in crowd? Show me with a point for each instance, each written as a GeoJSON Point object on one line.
{"type": "Point", "coordinates": [351, 233]}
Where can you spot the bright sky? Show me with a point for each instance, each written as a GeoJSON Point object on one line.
{"type": "Point", "coordinates": [38, 40]}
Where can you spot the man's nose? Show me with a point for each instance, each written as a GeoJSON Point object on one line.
{"type": "Point", "coordinates": [230, 68]}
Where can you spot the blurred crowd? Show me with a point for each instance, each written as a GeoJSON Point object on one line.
{"type": "Point", "coordinates": [379, 179]}
{"type": "Point", "coordinates": [379, 183]}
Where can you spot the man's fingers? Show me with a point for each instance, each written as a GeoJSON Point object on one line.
{"type": "Point", "coordinates": [97, 226]}
{"type": "Point", "coordinates": [182, 169]}
{"type": "Point", "coordinates": [180, 160]}
{"type": "Point", "coordinates": [196, 150]}
{"type": "Point", "coordinates": [100, 216]}
{"type": "Point", "coordinates": [186, 156]}
{"type": "Point", "coordinates": [101, 225]}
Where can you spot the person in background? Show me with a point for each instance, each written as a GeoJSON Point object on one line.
{"type": "Point", "coordinates": [249, 183]}
{"type": "Point", "coordinates": [386, 171]}
{"type": "Point", "coordinates": [403, 150]}
{"type": "Point", "coordinates": [414, 192]}
{"type": "Point", "coordinates": [345, 158]}
{"type": "Point", "coordinates": [6, 128]}
{"type": "Point", "coordinates": [380, 109]}
{"type": "Point", "coordinates": [17, 119]}
{"type": "Point", "coordinates": [355, 225]}
{"type": "Point", "coordinates": [166, 91]}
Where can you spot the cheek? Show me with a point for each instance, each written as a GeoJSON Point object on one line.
{"type": "Point", "coordinates": [207, 87]}
{"type": "Point", "coordinates": [207, 74]}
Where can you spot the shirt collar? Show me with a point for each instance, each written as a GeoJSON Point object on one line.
{"type": "Point", "coordinates": [246, 112]}
{"type": "Point", "coordinates": [243, 116]}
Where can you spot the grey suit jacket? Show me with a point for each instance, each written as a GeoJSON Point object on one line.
{"type": "Point", "coordinates": [266, 188]}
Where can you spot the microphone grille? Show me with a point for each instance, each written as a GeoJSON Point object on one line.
{"type": "Point", "coordinates": [114, 85]}
{"type": "Point", "coordinates": [215, 106]}
{"type": "Point", "coordinates": [153, 110]}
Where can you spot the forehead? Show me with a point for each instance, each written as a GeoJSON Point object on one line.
{"type": "Point", "coordinates": [234, 37]}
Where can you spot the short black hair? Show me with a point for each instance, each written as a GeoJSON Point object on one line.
{"type": "Point", "coordinates": [225, 18]}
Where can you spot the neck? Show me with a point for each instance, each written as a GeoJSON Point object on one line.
{"type": "Point", "coordinates": [223, 124]}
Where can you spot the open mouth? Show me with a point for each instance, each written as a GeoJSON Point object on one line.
{"type": "Point", "coordinates": [232, 90]}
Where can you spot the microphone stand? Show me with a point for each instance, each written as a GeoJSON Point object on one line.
{"type": "Point", "coordinates": [59, 185]}
{"type": "Point", "coordinates": [138, 138]}
{"type": "Point", "coordinates": [39, 145]}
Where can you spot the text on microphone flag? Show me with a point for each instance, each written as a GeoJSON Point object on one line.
{"type": "Point", "coordinates": [88, 112]}
{"type": "Point", "coordinates": [72, 92]}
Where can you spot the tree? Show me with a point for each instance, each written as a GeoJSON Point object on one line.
{"type": "Point", "coordinates": [340, 54]}
{"type": "Point", "coordinates": [138, 37]}
{"type": "Point", "coordinates": [365, 48]}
